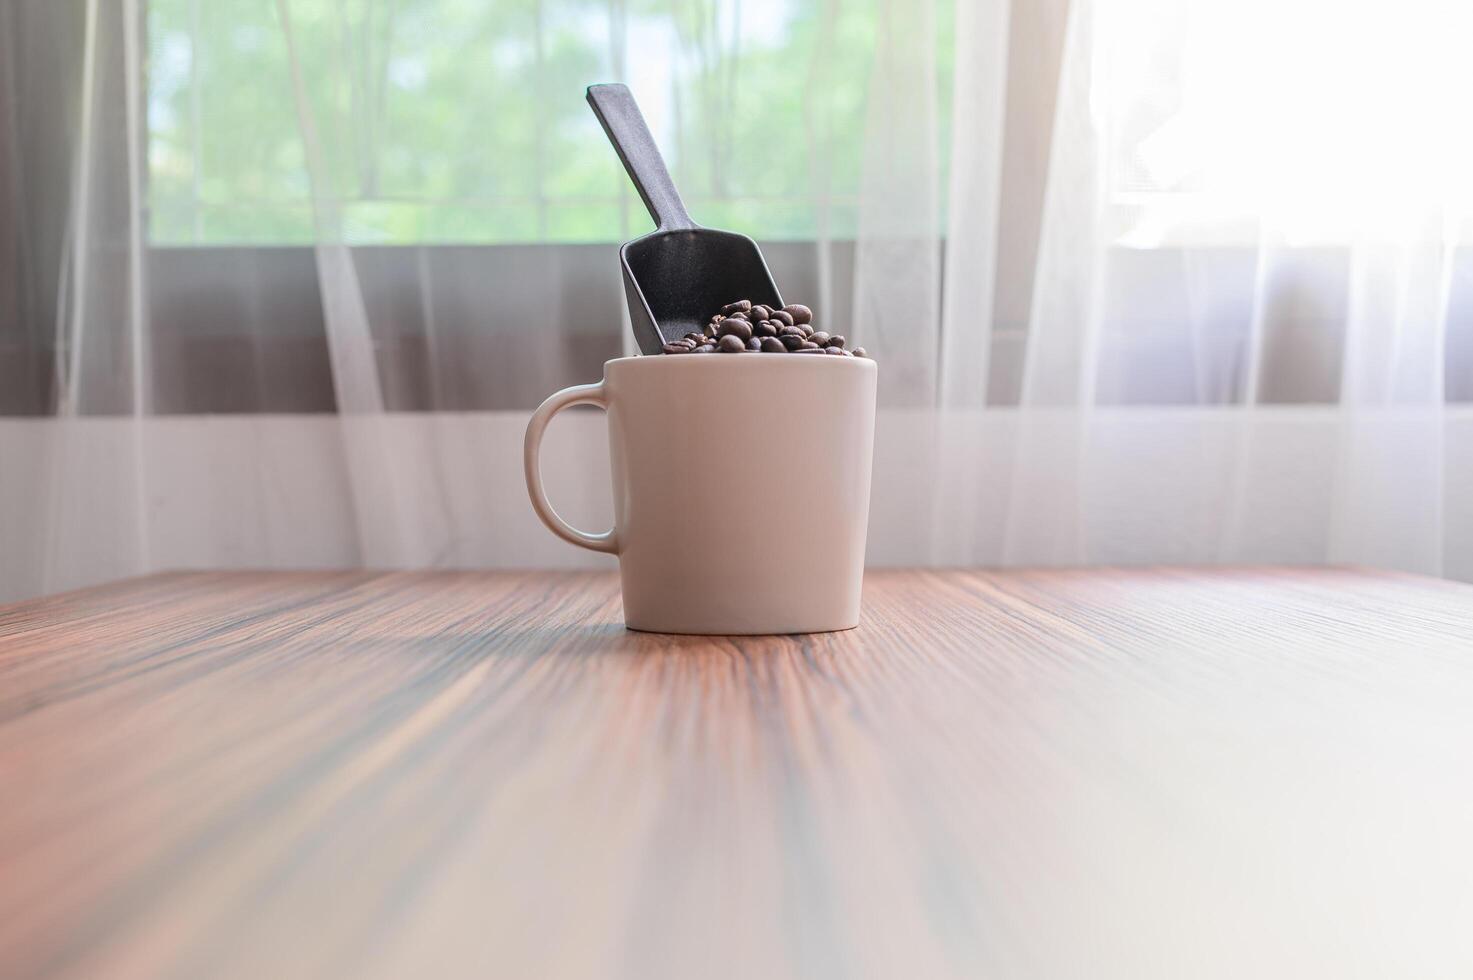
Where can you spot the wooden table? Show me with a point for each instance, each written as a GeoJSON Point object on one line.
{"type": "Point", "coordinates": [1101, 773]}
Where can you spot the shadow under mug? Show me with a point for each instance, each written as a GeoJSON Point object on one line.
{"type": "Point", "coordinates": [741, 488]}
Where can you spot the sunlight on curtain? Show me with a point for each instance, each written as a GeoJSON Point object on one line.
{"type": "Point", "coordinates": [1332, 121]}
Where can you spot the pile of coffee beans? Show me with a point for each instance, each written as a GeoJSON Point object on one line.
{"type": "Point", "coordinates": [747, 327]}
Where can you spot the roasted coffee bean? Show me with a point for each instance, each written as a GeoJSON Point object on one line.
{"type": "Point", "coordinates": [860, 352]}
{"type": "Point", "coordinates": [744, 326]}
{"type": "Point", "coordinates": [733, 327]}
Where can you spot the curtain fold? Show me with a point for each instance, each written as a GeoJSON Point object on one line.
{"type": "Point", "coordinates": [1124, 312]}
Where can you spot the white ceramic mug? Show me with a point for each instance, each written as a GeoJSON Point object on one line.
{"type": "Point", "coordinates": [741, 488]}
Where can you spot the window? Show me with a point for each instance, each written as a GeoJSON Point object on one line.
{"type": "Point", "coordinates": [452, 121]}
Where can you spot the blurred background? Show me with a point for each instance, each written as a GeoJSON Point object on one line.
{"type": "Point", "coordinates": [1149, 281]}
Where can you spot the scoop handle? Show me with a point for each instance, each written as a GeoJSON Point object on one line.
{"type": "Point", "coordinates": [624, 124]}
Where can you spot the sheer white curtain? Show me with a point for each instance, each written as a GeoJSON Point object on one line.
{"type": "Point", "coordinates": [1148, 281]}
{"type": "Point", "coordinates": [1246, 333]}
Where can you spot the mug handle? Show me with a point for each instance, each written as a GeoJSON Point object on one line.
{"type": "Point", "coordinates": [532, 461]}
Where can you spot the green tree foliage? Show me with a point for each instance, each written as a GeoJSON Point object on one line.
{"type": "Point", "coordinates": [464, 120]}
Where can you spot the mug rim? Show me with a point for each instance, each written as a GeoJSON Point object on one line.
{"type": "Point", "coordinates": [859, 363]}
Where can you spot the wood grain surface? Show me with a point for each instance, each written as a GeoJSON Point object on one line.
{"type": "Point", "coordinates": [1102, 773]}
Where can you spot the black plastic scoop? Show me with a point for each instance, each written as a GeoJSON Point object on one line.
{"type": "Point", "coordinates": [679, 274]}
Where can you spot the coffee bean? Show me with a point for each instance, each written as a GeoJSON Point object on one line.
{"type": "Point", "coordinates": [734, 327]}
{"type": "Point", "coordinates": [744, 326]}
{"type": "Point", "coordinates": [799, 313]}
